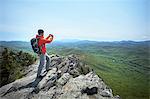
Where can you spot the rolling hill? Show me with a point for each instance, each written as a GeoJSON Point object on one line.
{"type": "Point", "coordinates": [123, 65]}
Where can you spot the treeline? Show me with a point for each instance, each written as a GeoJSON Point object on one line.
{"type": "Point", "coordinates": [13, 63]}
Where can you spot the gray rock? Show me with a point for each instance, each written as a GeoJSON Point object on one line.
{"type": "Point", "coordinates": [14, 86]}
{"type": "Point", "coordinates": [51, 77]}
{"type": "Point", "coordinates": [72, 89]}
{"type": "Point", "coordinates": [117, 97]}
{"type": "Point", "coordinates": [74, 72]}
{"type": "Point", "coordinates": [106, 93]}
{"type": "Point", "coordinates": [66, 79]}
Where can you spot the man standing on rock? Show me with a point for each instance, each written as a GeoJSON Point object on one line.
{"type": "Point", "coordinates": [44, 57]}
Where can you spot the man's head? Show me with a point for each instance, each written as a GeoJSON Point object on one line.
{"type": "Point", "coordinates": [41, 32]}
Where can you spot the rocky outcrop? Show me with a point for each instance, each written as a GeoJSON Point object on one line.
{"type": "Point", "coordinates": [68, 78]}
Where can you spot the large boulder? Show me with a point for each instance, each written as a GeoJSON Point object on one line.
{"type": "Point", "coordinates": [73, 89]}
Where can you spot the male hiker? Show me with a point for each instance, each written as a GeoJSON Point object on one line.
{"type": "Point", "coordinates": [44, 57]}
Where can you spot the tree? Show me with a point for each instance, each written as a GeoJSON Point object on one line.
{"type": "Point", "coordinates": [12, 63]}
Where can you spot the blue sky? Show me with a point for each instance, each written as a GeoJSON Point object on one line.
{"type": "Point", "coordinates": [101, 20]}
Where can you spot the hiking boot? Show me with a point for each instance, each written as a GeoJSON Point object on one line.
{"type": "Point", "coordinates": [50, 68]}
{"type": "Point", "coordinates": [45, 72]}
{"type": "Point", "coordinates": [42, 75]}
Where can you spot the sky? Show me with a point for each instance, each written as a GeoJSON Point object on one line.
{"type": "Point", "coordinates": [98, 20]}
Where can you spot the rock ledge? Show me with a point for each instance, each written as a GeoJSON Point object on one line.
{"type": "Point", "coordinates": [68, 78]}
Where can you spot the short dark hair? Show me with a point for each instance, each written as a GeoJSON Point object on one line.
{"type": "Point", "coordinates": [40, 31]}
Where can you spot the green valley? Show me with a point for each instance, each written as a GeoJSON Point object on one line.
{"type": "Point", "coordinates": [123, 65]}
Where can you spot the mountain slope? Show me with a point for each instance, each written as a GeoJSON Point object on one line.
{"type": "Point", "coordinates": [123, 65]}
{"type": "Point", "coordinates": [68, 78]}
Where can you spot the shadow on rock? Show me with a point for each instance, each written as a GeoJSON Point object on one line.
{"type": "Point", "coordinates": [32, 84]}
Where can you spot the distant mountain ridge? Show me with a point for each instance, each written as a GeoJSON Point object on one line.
{"type": "Point", "coordinates": [27, 44]}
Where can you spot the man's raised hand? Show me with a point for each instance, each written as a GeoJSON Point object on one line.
{"type": "Point", "coordinates": [50, 35]}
